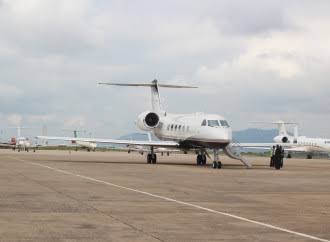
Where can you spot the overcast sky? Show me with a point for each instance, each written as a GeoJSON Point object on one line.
{"type": "Point", "coordinates": [253, 61]}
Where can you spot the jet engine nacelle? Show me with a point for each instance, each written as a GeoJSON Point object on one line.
{"type": "Point", "coordinates": [281, 139]}
{"type": "Point", "coordinates": [148, 121]}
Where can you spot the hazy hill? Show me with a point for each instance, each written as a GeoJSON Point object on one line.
{"type": "Point", "coordinates": [255, 135]}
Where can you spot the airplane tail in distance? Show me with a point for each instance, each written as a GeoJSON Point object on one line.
{"type": "Point", "coordinates": [281, 128]}
{"type": "Point", "coordinates": [281, 125]}
{"type": "Point", "coordinates": [154, 85]}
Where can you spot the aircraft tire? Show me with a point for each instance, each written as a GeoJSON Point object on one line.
{"type": "Point", "coordinates": [203, 160]}
{"type": "Point", "coordinates": [215, 165]}
{"type": "Point", "coordinates": [219, 165]}
{"type": "Point", "coordinates": [154, 159]}
{"type": "Point", "coordinates": [149, 158]}
{"type": "Point", "coordinates": [199, 160]}
{"type": "Point", "coordinates": [309, 156]}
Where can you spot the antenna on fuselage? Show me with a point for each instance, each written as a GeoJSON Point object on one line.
{"type": "Point", "coordinates": [154, 85]}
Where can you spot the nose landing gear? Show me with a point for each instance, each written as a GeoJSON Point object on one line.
{"type": "Point", "coordinates": [216, 163]}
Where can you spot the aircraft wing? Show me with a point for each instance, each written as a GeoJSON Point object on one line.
{"type": "Point", "coordinates": [157, 150]}
{"type": "Point", "coordinates": [286, 146]}
{"type": "Point", "coordinates": [6, 145]}
{"type": "Point", "coordinates": [114, 141]}
{"type": "Point", "coordinates": [264, 145]}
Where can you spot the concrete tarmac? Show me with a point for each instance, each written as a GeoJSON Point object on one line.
{"type": "Point", "coordinates": [115, 196]}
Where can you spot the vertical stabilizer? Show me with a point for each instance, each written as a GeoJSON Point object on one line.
{"type": "Point", "coordinates": [155, 97]}
{"type": "Point", "coordinates": [281, 128]}
{"type": "Point", "coordinates": [18, 131]}
{"type": "Point", "coordinates": [296, 131]}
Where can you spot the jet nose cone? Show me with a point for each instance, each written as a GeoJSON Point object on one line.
{"type": "Point", "coordinates": [222, 135]}
{"type": "Point", "coordinates": [228, 136]}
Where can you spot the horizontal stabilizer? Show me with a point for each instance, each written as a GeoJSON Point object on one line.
{"type": "Point", "coordinates": [145, 85]}
{"type": "Point", "coordinates": [276, 122]}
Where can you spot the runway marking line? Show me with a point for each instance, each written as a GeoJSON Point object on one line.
{"type": "Point", "coordinates": [176, 201]}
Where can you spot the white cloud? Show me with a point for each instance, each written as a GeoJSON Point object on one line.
{"type": "Point", "coordinates": [14, 119]}
{"type": "Point", "coordinates": [8, 91]}
{"type": "Point", "coordinates": [272, 63]}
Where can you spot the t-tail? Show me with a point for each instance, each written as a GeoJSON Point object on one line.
{"type": "Point", "coordinates": [283, 135]}
{"type": "Point", "coordinates": [155, 96]}
{"type": "Point", "coordinates": [281, 128]}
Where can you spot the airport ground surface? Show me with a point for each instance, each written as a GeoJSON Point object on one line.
{"type": "Point", "coordinates": [113, 196]}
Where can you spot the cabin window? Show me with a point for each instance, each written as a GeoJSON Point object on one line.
{"type": "Point", "coordinates": [204, 122]}
{"type": "Point", "coordinates": [176, 127]}
{"type": "Point", "coordinates": [168, 127]}
{"type": "Point", "coordinates": [183, 128]}
{"type": "Point", "coordinates": [213, 123]}
{"type": "Point", "coordinates": [172, 127]}
{"type": "Point", "coordinates": [179, 127]}
{"type": "Point", "coordinates": [224, 123]}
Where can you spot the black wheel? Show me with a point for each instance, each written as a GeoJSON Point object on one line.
{"type": "Point", "coordinates": [309, 156]}
{"type": "Point", "coordinates": [149, 158]}
{"type": "Point", "coordinates": [219, 165]}
{"type": "Point", "coordinates": [215, 165]}
{"type": "Point", "coordinates": [289, 156]}
{"type": "Point", "coordinates": [199, 160]}
{"type": "Point", "coordinates": [203, 160]}
{"type": "Point", "coordinates": [154, 159]}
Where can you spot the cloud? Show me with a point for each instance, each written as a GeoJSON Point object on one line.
{"type": "Point", "coordinates": [9, 91]}
{"type": "Point", "coordinates": [251, 59]}
{"type": "Point", "coordinates": [14, 119]}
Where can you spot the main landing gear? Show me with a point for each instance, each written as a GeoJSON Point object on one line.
{"type": "Point", "coordinates": [216, 163]}
{"type": "Point", "coordinates": [152, 157]}
{"type": "Point", "coordinates": [201, 159]}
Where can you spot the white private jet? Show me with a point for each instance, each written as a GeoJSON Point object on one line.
{"type": "Point", "coordinates": [197, 131]}
{"type": "Point", "coordinates": [301, 143]}
{"type": "Point", "coordinates": [89, 146]}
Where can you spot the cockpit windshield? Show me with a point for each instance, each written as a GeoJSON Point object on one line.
{"type": "Point", "coordinates": [224, 123]}
{"type": "Point", "coordinates": [213, 123]}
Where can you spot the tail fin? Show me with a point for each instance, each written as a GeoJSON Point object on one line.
{"type": "Point", "coordinates": [281, 125]}
{"type": "Point", "coordinates": [155, 96]}
{"type": "Point", "coordinates": [19, 130]}
{"type": "Point", "coordinates": [75, 132]}
{"type": "Point", "coordinates": [281, 128]}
